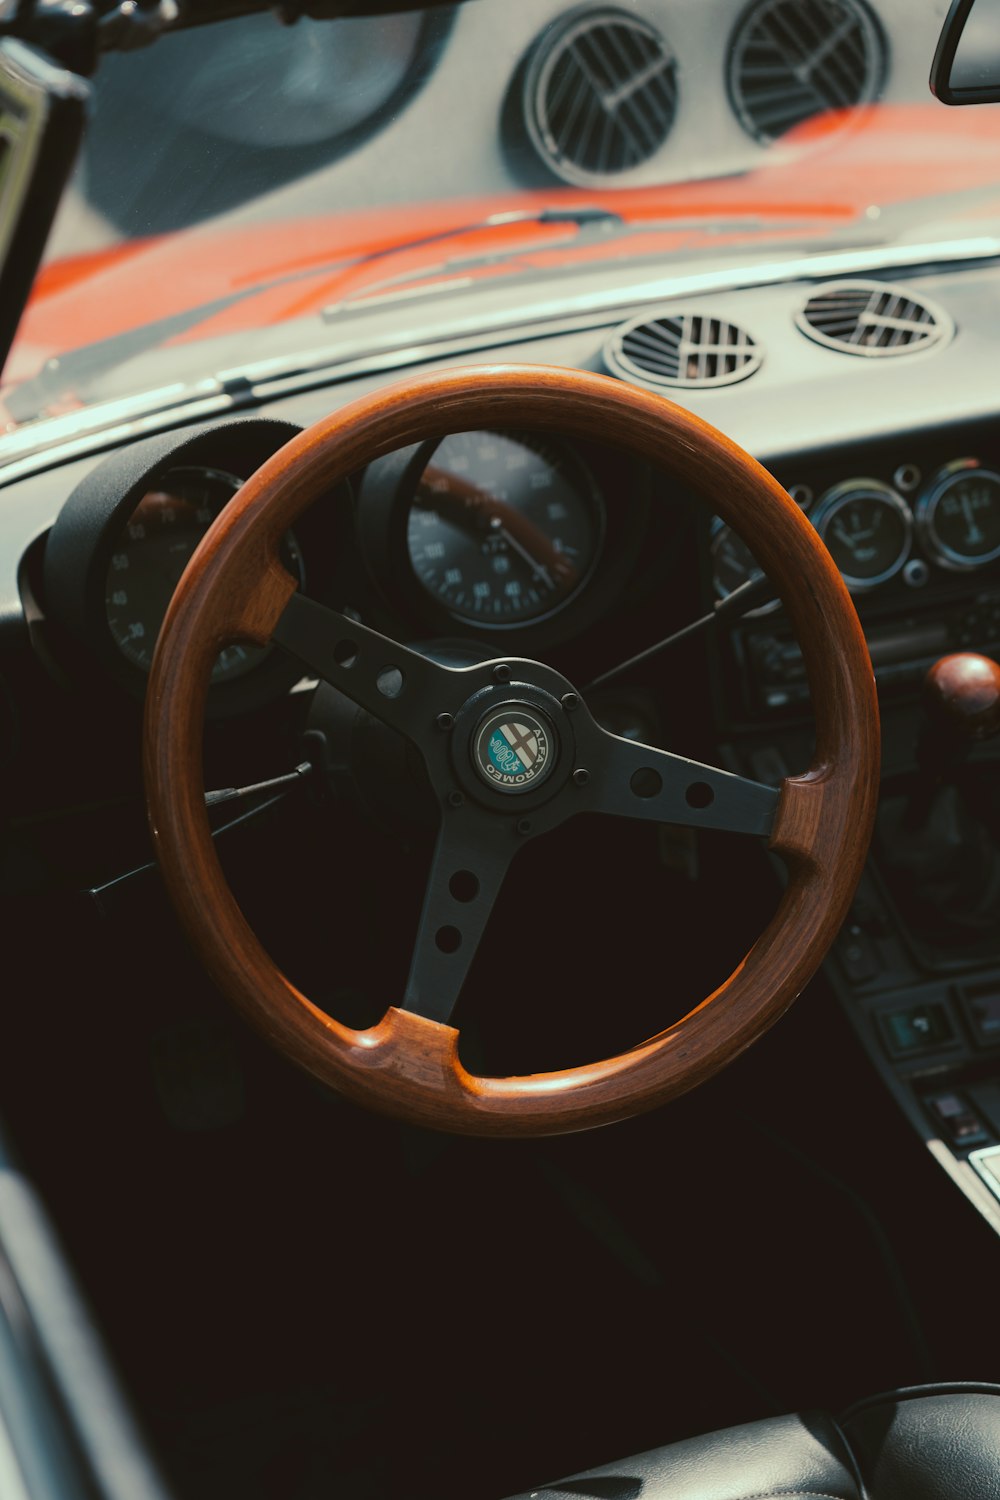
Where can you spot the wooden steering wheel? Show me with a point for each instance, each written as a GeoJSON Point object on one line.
{"type": "Point", "coordinates": [511, 752]}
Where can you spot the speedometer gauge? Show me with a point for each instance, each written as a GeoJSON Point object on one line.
{"type": "Point", "coordinates": [867, 529]}
{"type": "Point", "coordinates": [150, 554]}
{"type": "Point", "coordinates": [504, 528]}
{"type": "Point", "coordinates": [959, 517]}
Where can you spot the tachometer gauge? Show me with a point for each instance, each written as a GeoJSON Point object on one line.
{"type": "Point", "coordinates": [504, 528]}
{"type": "Point", "coordinates": [958, 519]}
{"type": "Point", "coordinates": [153, 549]}
{"type": "Point", "coordinates": [867, 529]}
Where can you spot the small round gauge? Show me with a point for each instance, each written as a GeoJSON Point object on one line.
{"type": "Point", "coordinates": [958, 519]}
{"type": "Point", "coordinates": [504, 528]}
{"type": "Point", "coordinates": [150, 554]}
{"type": "Point", "coordinates": [733, 564]}
{"type": "Point", "coordinates": [867, 529]}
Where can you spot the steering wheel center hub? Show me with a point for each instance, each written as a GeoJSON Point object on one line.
{"type": "Point", "coordinates": [513, 748]}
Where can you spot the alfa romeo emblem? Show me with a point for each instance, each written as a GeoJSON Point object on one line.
{"type": "Point", "coordinates": [513, 749]}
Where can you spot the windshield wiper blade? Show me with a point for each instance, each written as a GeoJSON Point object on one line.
{"type": "Point", "coordinates": [456, 265]}
{"type": "Point", "coordinates": [66, 374]}
{"type": "Point", "coordinates": [458, 270]}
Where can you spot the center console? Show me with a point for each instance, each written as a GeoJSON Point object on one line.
{"type": "Point", "coordinates": [915, 531]}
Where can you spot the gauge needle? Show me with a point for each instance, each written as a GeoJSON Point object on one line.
{"type": "Point", "coordinates": [852, 539]}
{"type": "Point", "coordinates": [536, 567]}
{"type": "Point", "coordinates": [975, 535]}
{"type": "Point", "coordinates": [465, 504]}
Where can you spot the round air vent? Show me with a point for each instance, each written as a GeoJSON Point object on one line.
{"type": "Point", "coordinates": [792, 59]}
{"type": "Point", "coordinates": [681, 349]}
{"type": "Point", "coordinates": [600, 94]}
{"type": "Point", "coordinates": [873, 318]}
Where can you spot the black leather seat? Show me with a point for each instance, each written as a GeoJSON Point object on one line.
{"type": "Point", "coordinates": [924, 1443]}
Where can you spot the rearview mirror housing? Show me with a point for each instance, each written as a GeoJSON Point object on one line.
{"type": "Point", "coordinates": [966, 66]}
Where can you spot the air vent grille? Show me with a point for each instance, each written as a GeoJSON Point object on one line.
{"type": "Point", "coordinates": [792, 59]}
{"type": "Point", "coordinates": [681, 349]}
{"type": "Point", "coordinates": [600, 94]}
{"type": "Point", "coordinates": [873, 318]}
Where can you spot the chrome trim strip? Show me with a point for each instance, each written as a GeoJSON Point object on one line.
{"type": "Point", "coordinates": [596, 309]}
{"type": "Point", "coordinates": [56, 440]}
{"type": "Point", "coordinates": [43, 456]}
{"type": "Point", "coordinates": [856, 259]}
{"type": "Point", "coordinates": [465, 336]}
{"type": "Point", "coordinates": [969, 1179]}
{"type": "Point", "coordinates": [410, 354]}
{"type": "Point", "coordinates": [25, 439]}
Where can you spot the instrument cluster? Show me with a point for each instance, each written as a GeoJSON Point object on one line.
{"type": "Point", "coordinates": [877, 532]}
{"type": "Point", "coordinates": [467, 536]}
{"type": "Point", "coordinates": [125, 535]}
{"type": "Point", "coordinates": [470, 536]}
{"type": "Point", "coordinates": [151, 549]}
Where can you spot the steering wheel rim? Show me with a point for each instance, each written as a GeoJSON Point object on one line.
{"type": "Point", "coordinates": [236, 588]}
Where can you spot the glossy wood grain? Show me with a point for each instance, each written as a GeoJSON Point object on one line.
{"type": "Point", "coordinates": [234, 586]}
{"type": "Point", "coordinates": [962, 696]}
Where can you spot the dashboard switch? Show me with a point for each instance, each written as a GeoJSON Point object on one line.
{"type": "Point", "coordinates": [856, 954]}
{"type": "Point", "coordinates": [982, 1007]}
{"type": "Point", "coordinates": [986, 1098]}
{"type": "Point", "coordinates": [916, 1028]}
{"type": "Point", "coordinates": [955, 1119]}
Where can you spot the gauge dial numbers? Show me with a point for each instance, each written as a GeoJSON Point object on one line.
{"type": "Point", "coordinates": [868, 530]}
{"type": "Point", "coordinates": [503, 529]}
{"type": "Point", "coordinates": [151, 552]}
{"type": "Point", "coordinates": [958, 519]}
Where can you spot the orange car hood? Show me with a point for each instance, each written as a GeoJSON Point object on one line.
{"type": "Point", "coordinates": [823, 177]}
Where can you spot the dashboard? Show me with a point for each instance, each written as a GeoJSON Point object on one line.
{"type": "Point", "coordinates": [566, 549]}
{"type": "Point", "coordinates": [556, 549]}
{"type": "Point", "coordinates": [568, 552]}
{"type": "Point", "coordinates": [543, 545]}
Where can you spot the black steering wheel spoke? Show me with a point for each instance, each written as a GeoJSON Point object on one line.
{"type": "Point", "coordinates": [470, 861]}
{"type": "Point", "coordinates": [395, 684]}
{"type": "Point", "coordinates": [631, 780]}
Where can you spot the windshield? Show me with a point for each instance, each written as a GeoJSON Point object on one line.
{"type": "Point", "coordinates": [286, 182]}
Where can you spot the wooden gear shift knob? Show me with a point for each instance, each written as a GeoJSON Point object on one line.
{"type": "Point", "coordinates": [962, 695]}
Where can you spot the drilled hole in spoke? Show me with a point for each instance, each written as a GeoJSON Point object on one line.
{"type": "Point", "coordinates": [345, 653]}
{"type": "Point", "coordinates": [464, 886]}
{"type": "Point", "coordinates": [699, 794]}
{"type": "Point", "coordinates": [448, 939]}
{"type": "Point", "coordinates": [390, 682]}
{"type": "Point", "coordinates": [646, 782]}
